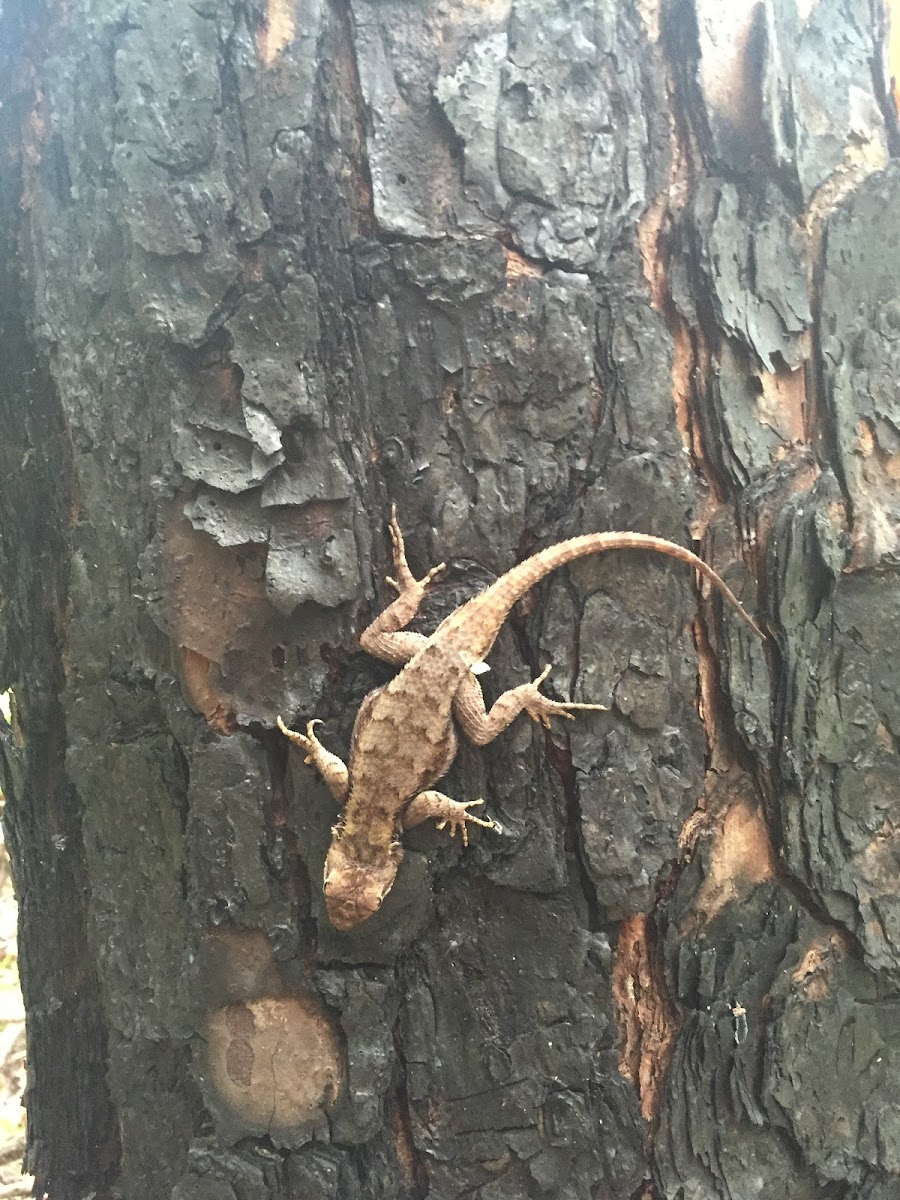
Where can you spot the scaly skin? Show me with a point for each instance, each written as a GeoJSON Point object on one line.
{"type": "Point", "coordinates": [404, 738]}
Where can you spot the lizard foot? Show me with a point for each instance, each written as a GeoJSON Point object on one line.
{"type": "Point", "coordinates": [436, 806]}
{"type": "Point", "coordinates": [457, 816]}
{"type": "Point", "coordinates": [307, 742]}
{"type": "Point", "coordinates": [329, 766]}
{"type": "Point", "coordinates": [541, 708]}
{"type": "Point", "coordinates": [406, 584]}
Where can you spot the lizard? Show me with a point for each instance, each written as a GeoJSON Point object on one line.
{"type": "Point", "coordinates": [404, 737]}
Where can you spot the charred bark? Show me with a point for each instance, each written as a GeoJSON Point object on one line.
{"type": "Point", "coordinates": [526, 270]}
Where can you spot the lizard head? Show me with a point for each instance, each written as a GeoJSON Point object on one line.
{"type": "Point", "coordinates": [354, 890]}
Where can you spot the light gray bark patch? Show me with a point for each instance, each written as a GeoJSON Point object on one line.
{"type": "Point", "coordinates": [176, 297]}
{"type": "Point", "coordinates": [368, 1013]}
{"type": "Point", "coordinates": [572, 82]}
{"type": "Point", "coordinates": [229, 520]}
{"type": "Point", "coordinates": [470, 96]}
{"type": "Point", "coordinates": [754, 259]}
{"type": "Point", "coordinates": [789, 84]}
{"type": "Point", "coordinates": [513, 1088]}
{"type": "Point", "coordinates": [236, 516]}
{"type": "Point", "coordinates": [835, 1003]}
{"type": "Point", "coordinates": [715, 1140]}
{"type": "Point", "coordinates": [319, 475]}
{"type": "Point", "coordinates": [639, 767]}
{"type": "Point", "coordinates": [228, 463]}
{"type": "Point", "coordinates": [164, 216]}
{"type": "Point", "coordinates": [137, 919]}
{"type": "Point", "coordinates": [262, 428]}
{"type": "Point", "coordinates": [229, 795]}
{"type": "Point", "coordinates": [742, 430]}
{"type": "Point", "coordinates": [167, 157]}
{"type": "Point", "coordinates": [269, 122]}
{"type": "Point", "coordinates": [321, 1173]}
{"type": "Point", "coordinates": [275, 341]}
{"type": "Point", "coordinates": [290, 152]}
{"type": "Point", "coordinates": [839, 807]}
{"type": "Point", "coordinates": [860, 360]}
{"type": "Point", "coordinates": [186, 200]}
{"type": "Point", "coordinates": [168, 86]}
{"type": "Point", "coordinates": [304, 565]}
{"type": "Point", "coordinates": [530, 393]}
{"type": "Point", "coordinates": [818, 87]}
{"type": "Point", "coordinates": [416, 180]}
{"type": "Point", "coordinates": [452, 272]}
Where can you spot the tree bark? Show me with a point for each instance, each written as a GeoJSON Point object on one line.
{"type": "Point", "coordinates": [527, 270]}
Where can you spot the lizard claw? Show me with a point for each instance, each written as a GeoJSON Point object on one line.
{"type": "Point", "coordinates": [412, 584]}
{"type": "Point", "coordinates": [289, 733]}
{"type": "Point", "coordinates": [457, 817]}
{"type": "Point", "coordinates": [405, 582]}
{"type": "Point", "coordinates": [306, 741]}
{"type": "Point", "coordinates": [541, 708]}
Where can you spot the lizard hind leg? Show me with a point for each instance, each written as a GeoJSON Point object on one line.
{"type": "Point", "coordinates": [481, 725]}
{"type": "Point", "coordinates": [432, 805]}
{"type": "Point", "coordinates": [405, 581]}
{"type": "Point", "coordinates": [541, 708]}
{"type": "Point", "coordinates": [333, 771]}
{"type": "Point", "coordinates": [383, 638]}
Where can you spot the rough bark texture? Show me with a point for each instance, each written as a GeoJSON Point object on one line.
{"type": "Point", "coordinates": [528, 270]}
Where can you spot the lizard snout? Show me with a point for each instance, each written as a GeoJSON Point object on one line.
{"type": "Point", "coordinates": [354, 890]}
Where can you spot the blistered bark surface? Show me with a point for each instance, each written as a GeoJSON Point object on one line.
{"type": "Point", "coordinates": [526, 270]}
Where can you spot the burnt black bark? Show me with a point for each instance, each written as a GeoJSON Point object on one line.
{"type": "Point", "coordinates": [526, 270]}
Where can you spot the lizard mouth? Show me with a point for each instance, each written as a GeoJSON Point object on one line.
{"type": "Point", "coordinates": [354, 891]}
{"type": "Point", "coordinates": [345, 916]}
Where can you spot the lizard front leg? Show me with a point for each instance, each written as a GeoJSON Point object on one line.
{"type": "Point", "coordinates": [435, 805]}
{"type": "Point", "coordinates": [383, 639]}
{"type": "Point", "coordinates": [329, 766]}
{"type": "Point", "coordinates": [482, 726]}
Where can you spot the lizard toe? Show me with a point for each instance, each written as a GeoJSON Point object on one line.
{"type": "Point", "coordinates": [484, 822]}
{"type": "Point", "coordinates": [299, 739]}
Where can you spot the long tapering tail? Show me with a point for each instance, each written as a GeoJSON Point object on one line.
{"type": "Point", "coordinates": [491, 607]}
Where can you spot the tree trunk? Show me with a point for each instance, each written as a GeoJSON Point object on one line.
{"type": "Point", "coordinates": [528, 270]}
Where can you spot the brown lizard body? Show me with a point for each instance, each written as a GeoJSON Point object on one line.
{"type": "Point", "coordinates": [404, 738]}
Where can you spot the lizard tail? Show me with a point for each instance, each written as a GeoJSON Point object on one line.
{"type": "Point", "coordinates": [487, 611]}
